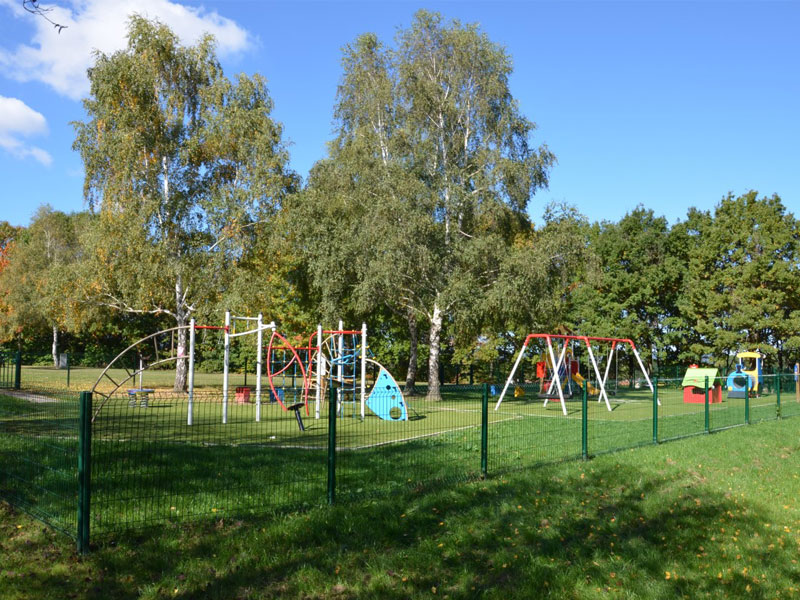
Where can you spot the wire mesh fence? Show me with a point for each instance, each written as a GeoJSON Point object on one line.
{"type": "Point", "coordinates": [9, 362]}
{"type": "Point", "coordinates": [439, 441]}
{"type": "Point", "coordinates": [526, 430]}
{"type": "Point", "coordinates": [151, 457]}
{"type": "Point", "coordinates": [38, 454]}
{"type": "Point", "coordinates": [149, 466]}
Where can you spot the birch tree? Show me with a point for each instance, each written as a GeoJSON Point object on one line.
{"type": "Point", "coordinates": [182, 165]}
{"type": "Point", "coordinates": [435, 160]}
{"type": "Point", "coordinates": [37, 276]}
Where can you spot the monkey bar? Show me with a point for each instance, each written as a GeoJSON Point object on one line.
{"type": "Point", "coordinates": [557, 363]}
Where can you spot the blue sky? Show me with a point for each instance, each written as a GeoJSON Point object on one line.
{"type": "Point", "coordinates": [665, 104]}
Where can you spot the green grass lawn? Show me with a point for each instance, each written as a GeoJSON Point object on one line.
{"type": "Point", "coordinates": [711, 516]}
{"type": "Point", "coordinates": [83, 378]}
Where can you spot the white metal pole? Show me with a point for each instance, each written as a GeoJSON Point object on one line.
{"type": "Point", "coordinates": [644, 371]}
{"type": "Point", "coordinates": [319, 368]}
{"type": "Point", "coordinates": [597, 374]}
{"type": "Point", "coordinates": [191, 372]}
{"type": "Point", "coordinates": [608, 365]}
{"type": "Point", "coordinates": [340, 370]}
{"type": "Point", "coordinates": [260, 342]}
{"type": "Point", "coordinates": [225, 367]}
{"type": "Point", "coordinates": [513, 372]}
{"type": "Point", "coordinates": [556, 368]}
{"type": "Point", "coordinates": [141, 373]}
{"type": "Point", "coordinates": [555, 375]}
{"type": "Point", "coordinates": [363, 368]}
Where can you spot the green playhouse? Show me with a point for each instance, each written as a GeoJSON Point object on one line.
{"type": "Point", "coordinates": [694, 386]}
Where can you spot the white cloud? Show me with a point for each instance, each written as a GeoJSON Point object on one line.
{"type": "Point", "coordinates": [60, 59]}
{"type": "Point", "coordinates": [18, 120]}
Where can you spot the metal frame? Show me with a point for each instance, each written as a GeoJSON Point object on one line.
{"type": "Point", "coordinates": [601, 380]}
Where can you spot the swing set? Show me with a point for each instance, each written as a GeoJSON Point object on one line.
{"type": "Point", "coordinates": [563, 369]}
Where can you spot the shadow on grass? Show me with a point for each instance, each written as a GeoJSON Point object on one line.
{"type": "Point", "coordinates": [651, 534]}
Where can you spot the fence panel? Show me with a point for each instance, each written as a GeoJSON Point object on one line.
{"type": "Point", "coordinates": [7, 369]}
{"type": "Point", "coordinates": [150, 467]}
{"type": "Point", "coordinates": [39, 453]}
{"type": "Point", "coordinates": [623, 418]}
{"type": "Point", "coordinates": [731, 411]}
{"type": "Point", "coordinates": [790, 395]}
{"type": "Point", "coordinates": [439, 442]}
{"type": "Point", "coordinates": [764, 400]}
{"type": "Point", "coordinates": [682, 412]}
{"type": "Point", "coordinates": [527, 429]}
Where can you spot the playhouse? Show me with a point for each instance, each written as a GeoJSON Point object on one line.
{"type": "Point", "coordinates": [694, 386]}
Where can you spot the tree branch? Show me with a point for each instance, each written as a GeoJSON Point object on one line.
{"type": "Point", "coordinates": [33, 7]}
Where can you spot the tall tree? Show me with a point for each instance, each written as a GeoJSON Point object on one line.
{"type": "Point", "coordinates": [8, 238]}
{"type": "Point", "coordinates": [743, 280]}
{"type": "Point", "coordinates": [40, 275]}
{"type": "Point", "coordinates": [183, 166]}
{"type": "Point", "coordinates": [638, 281]}
{"type": "Point", "coordinates": [435, 161]}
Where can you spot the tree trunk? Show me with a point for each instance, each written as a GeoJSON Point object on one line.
{"type": "Point", "coordinates": [181, 318]}
{"type": "Point", "coordinates": [413, 338]}
{"type": "Point", "coordinates": [55, 346]}
{"type": "Point", "coordinates": [434, 342]}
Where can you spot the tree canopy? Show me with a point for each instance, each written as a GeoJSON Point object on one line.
{"type": "Point", "coordinates": [183, 167]}
{"type": "Point", "coordinates": [419, 220]}
{"type": "Point", "coordinates": [428, 180]}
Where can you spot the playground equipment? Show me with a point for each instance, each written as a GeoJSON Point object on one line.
{"type": "Point", "coordinates": [565, 373]}
{"type": "Point", "coordinates": [561, 363]}
{"type": "Point", "coordinates": [739, 382]}
{"type": "Point", "coordinates": [694, 386]}
{"type": "Point", "coordinates": [578, 378]}
{"type": "Point", "coordinates": [338, 358]}
{"type": "Point", "coordinates": [165, 351]}
{"type": "Point", "coordinates": [229, 334]}
{"type": "Point", "coordinates": [568, 373]}
{"type": "Point", "coordinates": [750, 363]}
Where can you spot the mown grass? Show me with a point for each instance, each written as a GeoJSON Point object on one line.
{"type": "Point", "coordinates": [711, 516]}
{"type": "Point", "coordinates": [84, 378]}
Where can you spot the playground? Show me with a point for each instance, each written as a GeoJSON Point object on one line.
{"type": "Point", "coordinates": [321, 420]}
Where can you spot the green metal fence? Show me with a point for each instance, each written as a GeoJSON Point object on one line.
{"type": "Point", "coordinates": [39, 437]}
{"type": "Point", "coordinates": [92, 467]}
{"type": "Point", "coordinates": [10, 369]}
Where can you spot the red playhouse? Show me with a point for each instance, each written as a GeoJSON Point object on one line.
{"type": "Point", "coordinates": [694, 386]}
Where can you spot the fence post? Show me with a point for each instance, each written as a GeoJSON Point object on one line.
{"type": "Point", "coordinates": [485, 430]}
{"type": "Point", "coordinates": [68, 369]}
{"type": "Point", "coordinates": [18, 370]}
{"type": "Point", "coordinates": [747, 401]}
{"type": "Point", "coordinates": [332, 445]}
{"type": "Point", "coordinates": [585, 420]}
{"type": "Point", "coordinates": [706, 406]}
{"type": "Point", "coordinates": [655, 410]}
{"type": "Point", "coordinates": [778, 392]}
{"type": "Point", "coordinates": [84, 470]}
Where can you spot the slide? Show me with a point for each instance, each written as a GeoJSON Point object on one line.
{"type": "Point", "coordinates": [578, 378]}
